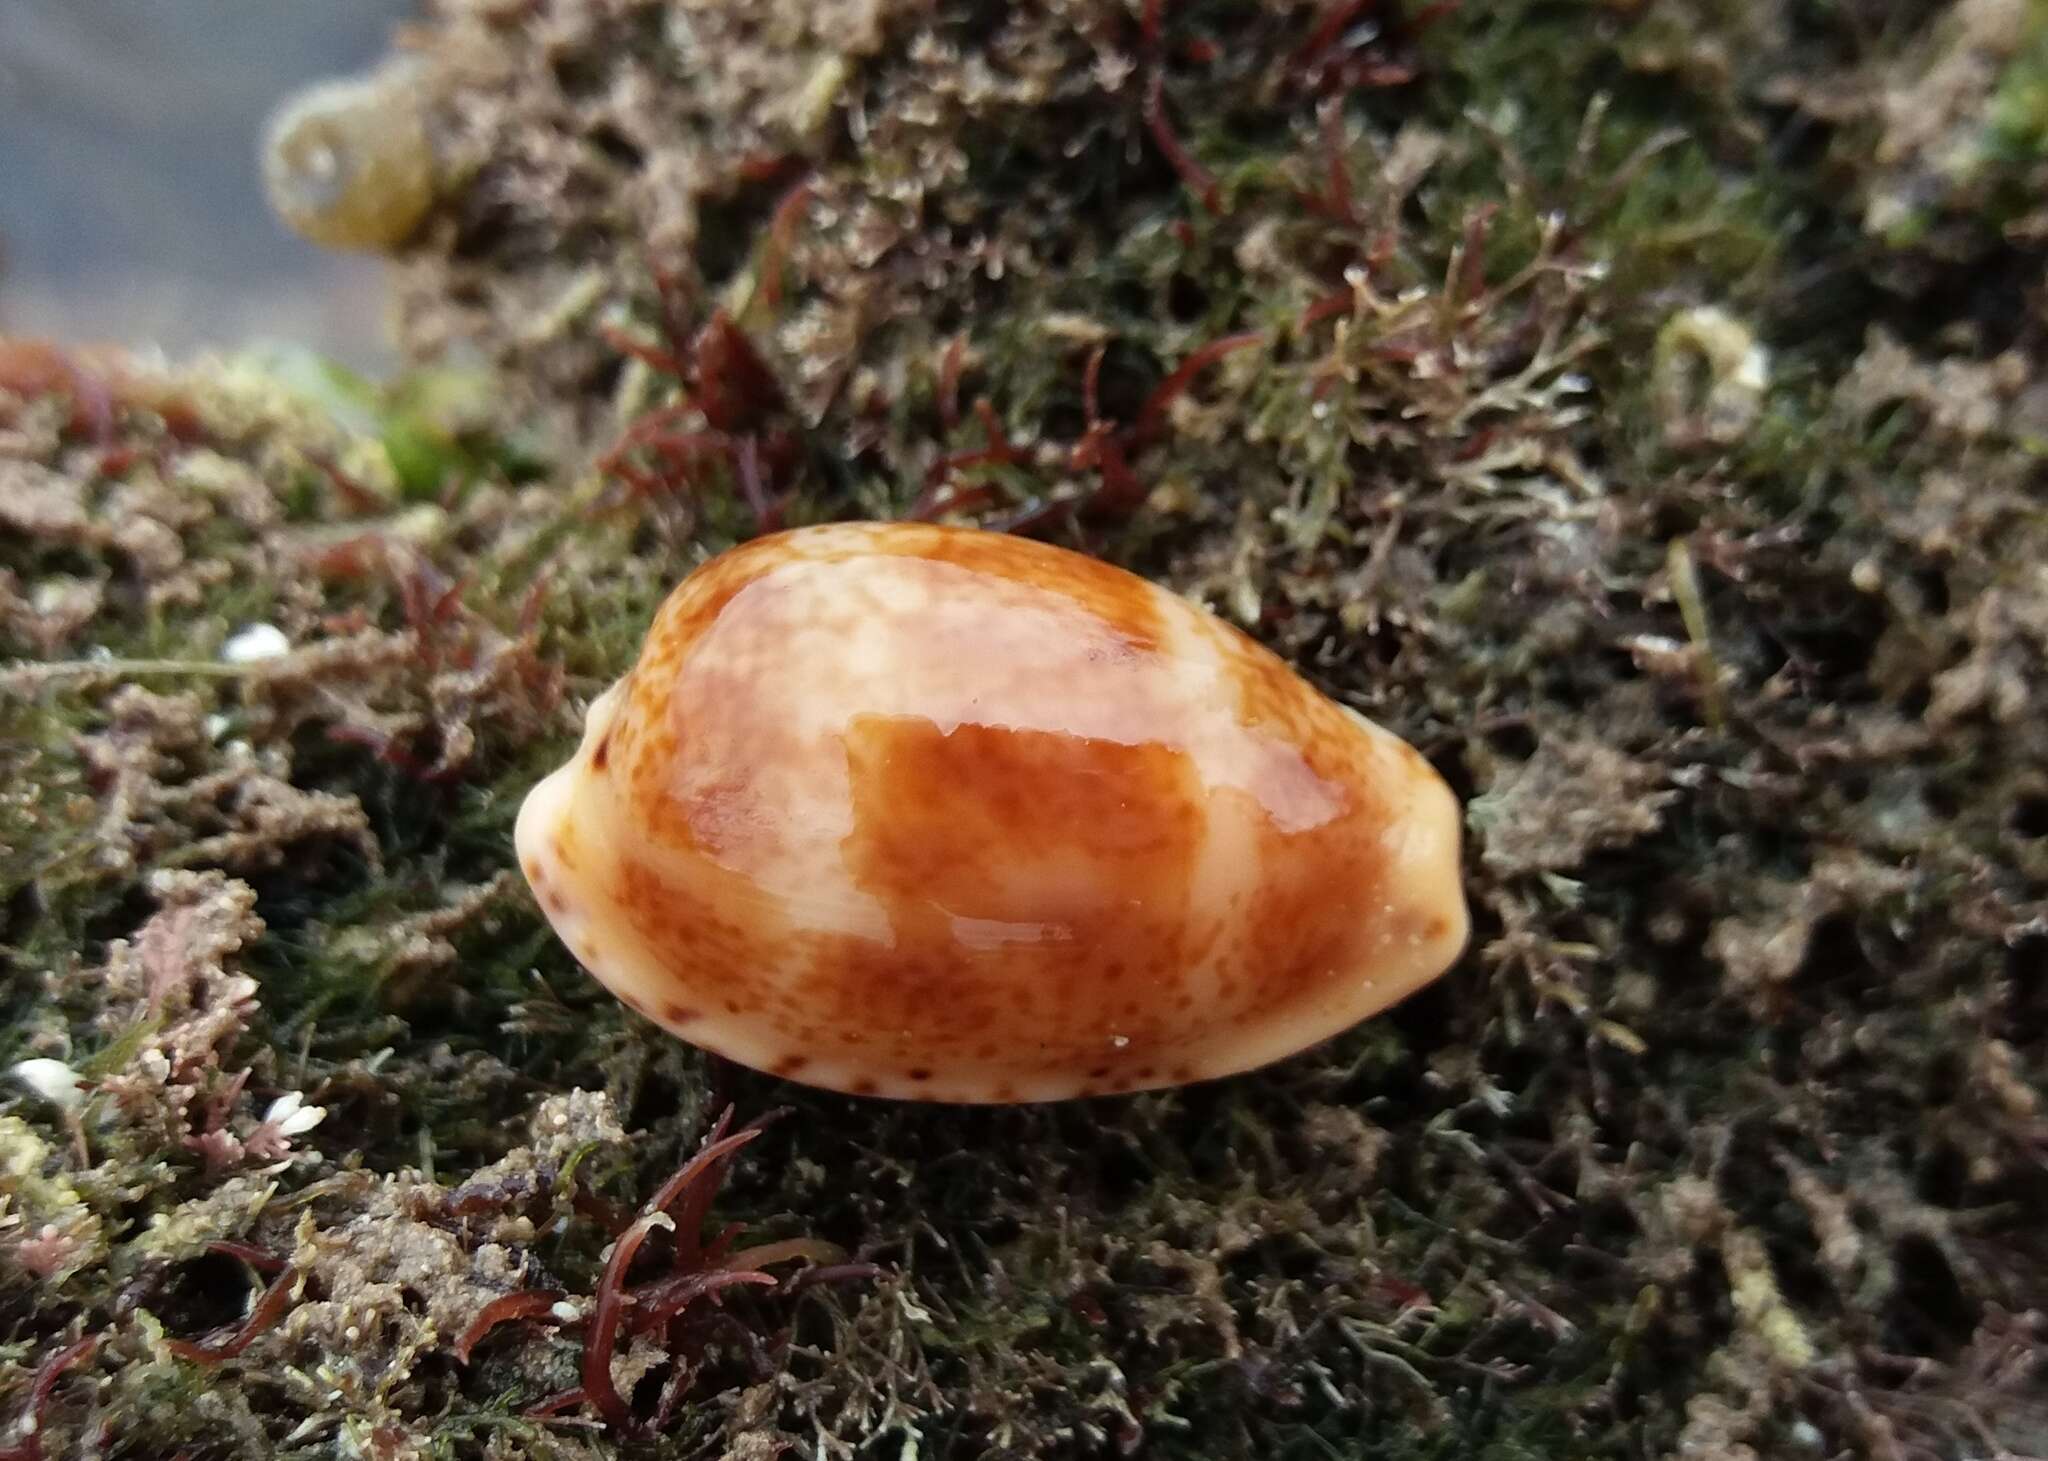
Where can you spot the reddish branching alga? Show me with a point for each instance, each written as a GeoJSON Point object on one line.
{"type": "Point", "coordinates": [1350, 46]}
{"type": "Point", "coordinates": [526, 1304]}
{"type": "Point", "coordinates": [98, 386]}
{"type": "Point", "coordinates": [257, 1258]}
{"type": "Point", "coordinates": [999, 451]}
{"type": "Point", "coordinates": [672, 1303]}
{"type": "Point", "coordinates": [950, 368]}
{"type": "Point", "coordinates": [1199, 180]}
{"type": "Point", "coordinates": [1336, 200]}
{"type": "Point", "coordinates": [48, 1373]}
{"type": "Point", "coordinates": [356, 499]}
{"type": "Point", "coordinates": [276, 1300]}
{"type": "Point", "coordinates": [1105, 447]}
{"type": "Point", "coordinates": [1149, 27]}
{"type": "Point", "coordinates": [1151, 422]}
{"type": "Point", "coordinates": [451, 639]}
{"type": "Point", "coordinates": [732, 409]}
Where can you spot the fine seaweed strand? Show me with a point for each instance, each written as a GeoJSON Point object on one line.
{"type": "Point", "coordinates": [526, 1304]}
{"type": "Point", "coordinates": [48, 1373]}
{"type": "Point", "coordinates": [698, 1272]}
{"type": "Point", "coordinates": [269, 1309]}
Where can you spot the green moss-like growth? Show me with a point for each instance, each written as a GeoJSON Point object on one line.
{"type": "Point", "coordinates": [1530, 374]}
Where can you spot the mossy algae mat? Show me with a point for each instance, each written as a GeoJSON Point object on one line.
{"type": "Point", "coordinates": [1638, 406]}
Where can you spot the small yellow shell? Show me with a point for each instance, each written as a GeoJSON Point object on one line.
{"type": "Point", "coordinates": [349, 163]}
{"type": "Point", "coordinates": [915, 811]}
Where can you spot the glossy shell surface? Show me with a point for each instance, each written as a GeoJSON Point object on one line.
{"type": "Point", "coordinates": [927, 812]}
{"type": "Point", "coordinates": [348, 164]}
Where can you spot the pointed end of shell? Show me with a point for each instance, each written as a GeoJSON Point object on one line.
{"type": "Point", "coordinates": [1438, 863]}
{"type": "Point", "coordinates": [537, 839]}
{"type": "Point", "coordinates": [1432, 924]}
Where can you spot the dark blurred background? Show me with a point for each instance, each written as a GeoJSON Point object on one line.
{"type": "Point", "coordinates": [130, 204]}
